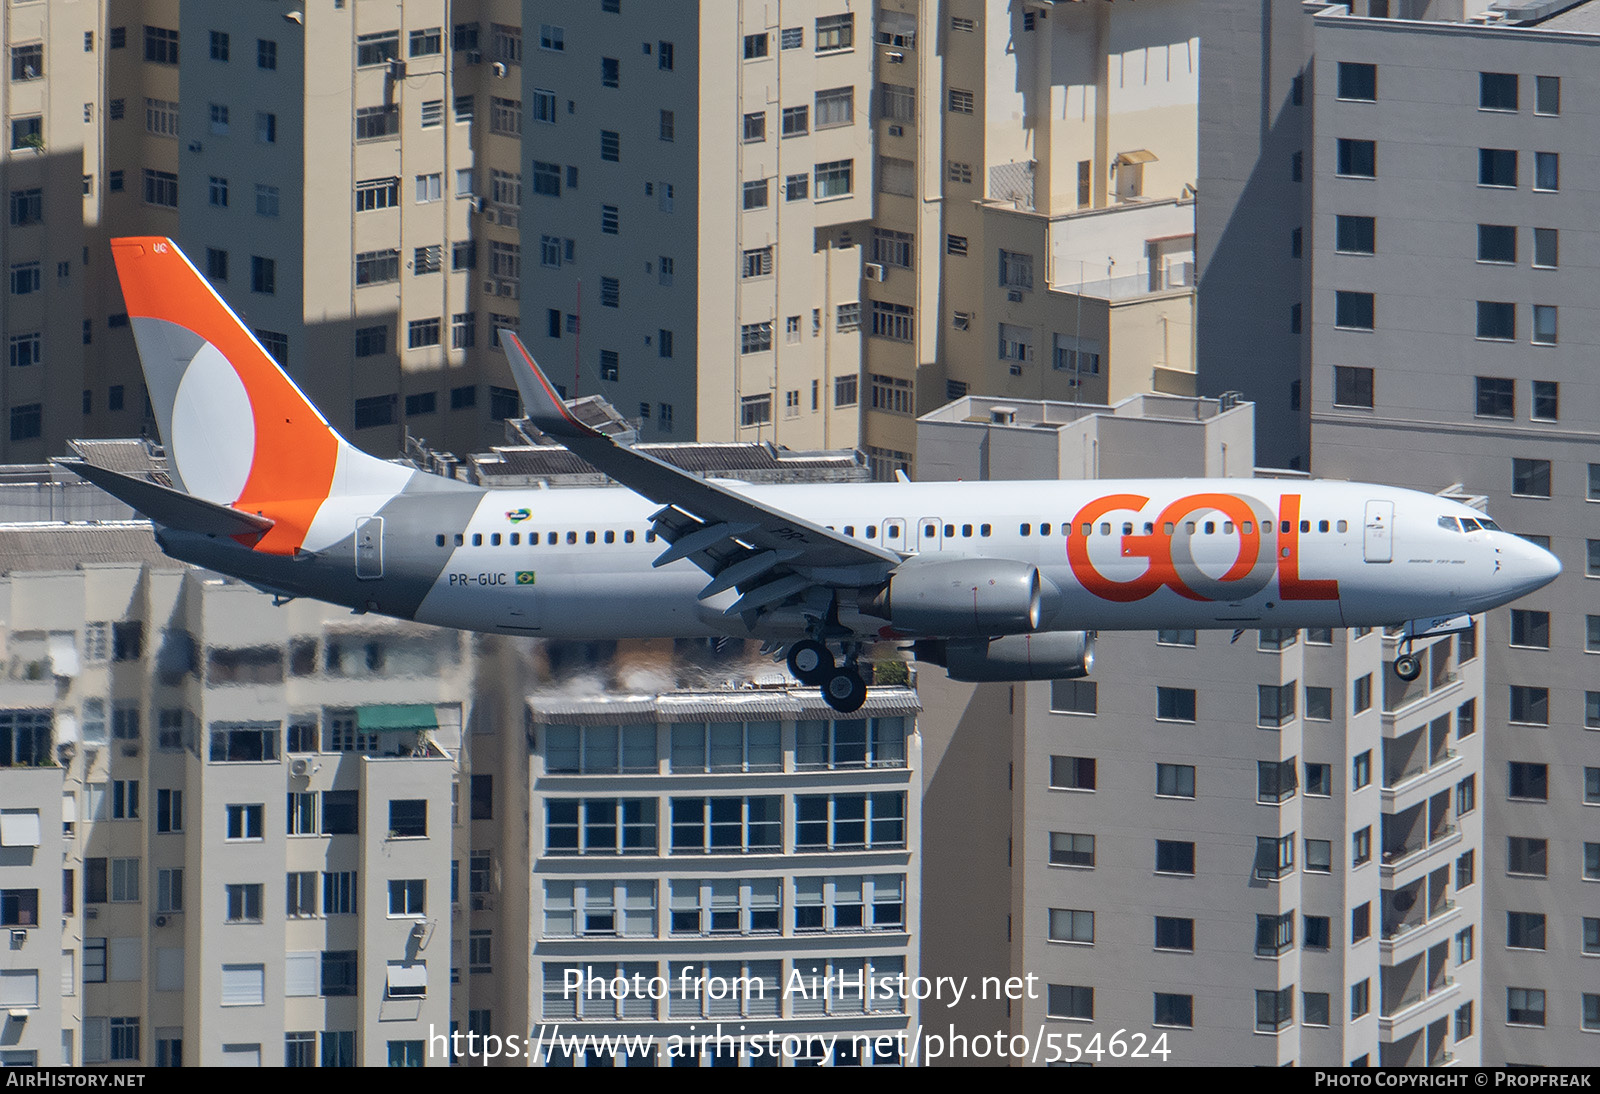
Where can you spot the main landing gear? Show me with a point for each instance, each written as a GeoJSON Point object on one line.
{"type": "Point", "coordinates": [843, 687]}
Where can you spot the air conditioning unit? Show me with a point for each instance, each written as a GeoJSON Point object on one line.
{"type": "Point", "coordinates": [488, 287]}
{"type": "Point", "coordinates": [874, 271]}
{"type": "Point", "coordinates": [897, 131]}
{"type": "Point", "coordinates": [491, 215]}
{"type": "Point", "coordinates": [160, 921]}
{"type": "Point", "coordinates": [300, 768]}
{"type": "Point", "coordinates": [1015, 296]}
{"type": "Point", "coordinates": [481, 903]}
{"type": "Point", "coordinates": [474, 56]}
{"type": "Point", "coordinates": [130, 750]}
{"type": "Point", "coordinates": [896, 58]}
{"type": "Point", "coordinates": [506, 288]}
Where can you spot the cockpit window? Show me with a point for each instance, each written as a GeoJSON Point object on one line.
{"type": "Point", "coordinates": [1449, 523]}
{"type": "Point", "coordinates": [1488, 525]}
{"type": "Point", "coordinates": [1468, 524]}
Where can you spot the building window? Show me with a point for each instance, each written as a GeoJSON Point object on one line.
{"type": "Point", "coordinates": [505, 116]}
{"type": "Point", "coordinates": [850, 821]}
{"type": "Point", "coordinates": [1546, 171]}
{"type": "Point", "coordinates": [1353, 310]}
{"type": "Point", "coordinates": [1174, 857]}
{"type": "Point", "coordinates": [266, 54]}
{"type": "Point", "coordinates": [377, 194]}
{"type": "Point", "coordinates": [1276, 780]}
{"type": "Point", "coordinates": [755, 193]}
{"type": "Point", "coordinates": [1275, 704]}
{"type": "Point", "coordinates": [1497, 91]}
{"type": "Point", "coordinates": [263, 275]}
{"type": "Point", "coordinates": [1358, 82]}
{"type": "Point", "coordinates": [755, 46]}
{"type": "Point", "coordinates": [1072, 849]}
{"type": "Point", "coordinates": [755, 409]}
{"type": "Point", "coordinates": [1524, 1007]}
{"type": "Point", "coordinates": [1530, 478]}
{"type": "Point", "coordinates": [1496, 397]}
{"type": "Point", "coordinates": [1355, 235]}
{"type": "Point", "coordinates": [961, 101]}
{"type": "Point", "coordinates": [1073, 696]}
{"type": "Point", "coordinates": [244, 822]}
{"type": "Point", "coordinates": [755, 127]}
{"type": "Point", "coordinates": [1275, 856]}
{"type": "Point", "coordinates": [1352, 386]}
{"type": "Point", "coordinates": [755, 338]}
{"type": "Point", "coordinates": [835, 107]}
{"type": "Point", "coordinates": [160, 45]}
{"type": "Point", "coordinates": [1361, 769]}
{"type": "Point", "coordinates": [1497, 167]}
{"type": "Point", "coordinates": [1547, 95]}
{"type": "Point", "coordinates": [1357, 158]}
{"type": "Point", "coordinates": [1546, 393]}
{"type": "Point", "coordinates": [1527, 855]}
{"type": "Point", "coordinates": [1527, 781]}
{"type": "Point", "coordinates": [1530, 628]}
{"type": "Point", "coordinates": [892, 394]}
{"type": "Point", "coordinates": [892, 321]}
{"type": "Point", "coordinates": [1175, 704]}
{"type": "Point", "coordinates": [1544, 334]}
{"type": "Point", "coordinates": [1497, 243]}
{"type": "Point", "coordinates": [1071, 925]}
{"type": "Point", "coordinates": [375, 122]}
{"type": "Point", "coordinates": [1069, 1001]}
{"type": "Point", "coordinates": [161, 188]}
{"type": "Point", "coordinates": [835, 32]}
{"type": "Point", "coordinates": [1174, 780]}
{"type": "Point", "coordinates": [243, 903]}
{"type": "Point", "coordinates": [1497, 320]}
{"type": "Point", "coordinates": [1274, 934]}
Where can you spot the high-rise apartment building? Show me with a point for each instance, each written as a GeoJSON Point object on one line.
{"type": "Point", "coordinates": [351, 184]}
{"type": "Point", "coordinates": [1439, 314]}
{"type": "Point", "coordinates": [90, 108]}
{"type": "Point", "coordinates": [1261, 847]}
{"type": "Point", "coordinates": [824, 226]}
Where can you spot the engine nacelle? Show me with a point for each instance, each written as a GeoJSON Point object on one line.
{"type": "Point", "coordinates": [966, 596]}
{"type": "Point", "coordinates": [1053, 655]}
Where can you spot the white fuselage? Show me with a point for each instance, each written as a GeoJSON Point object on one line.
{"type": "Point", "coordinates": [1136, 554]}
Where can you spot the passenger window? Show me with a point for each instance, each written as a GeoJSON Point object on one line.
{"type": "Point", "coordinates": [1305, 526]}
{"type": "Point", "coordinates": [1343, 526]}
{"type": "Point", "coordinates": [459, 539]}
{"type": "Point", "coordinates": [1249, 527]}
{"type": "Point", "coordinates": [494, 540]}
{"type": "Point", "coordinates": [1044, 529]}
{"type": "Point", "coordinates": [572, 537]}
{"type": "Point", "coordinates": [892, 532]}
{"type": "Point", "coordinates": [516, 538]}
{"type": "Point", "coordinates": [1105, 528]}
{"type": "Point", "coordinates": [966, 531]}
{"type": "Point", "coordinates": [588, 537]}
{"type": "Point", "coordinates": [611, 537]}
{"type": "Point", "coordinates": [1227, 527]}
{"type": "Point", "coordinates": [1024, 529]}
{"type": "Point", "coordinates": [650, 536]}
{"type": "Point", "coordinates": [850, 529]}
{"type": "Point", "coordinates": [438, 540]}
{"type": "Point", "coordinates": [1149, 529]}
{"type": "Point", "coordinates": [983, 529]}
{"type": "Point", "coordinates": [1188, 526]}
{"type": "Point", "coordinates": [477, 539]}
{"type": "Point", "coordinates": [1322, 526]}
{"type": "Point", "coordinates": [929, 531]}
{"type": "Point", "coordinates": [1127, 527]}
{"type": "Point", "coordinates": [1168, 528]}
{"type": "Point", "coordinates": [552, 538]}
{"type": "Point", "coordinates": [1211, 527]}
{"type": "Point", "coordinates": [949, 530]}
{"type": "Point", "coordinates": [872, 531]}
{"type": "Point", "coordinates": [627, 536]}
{"type": "Point", "coordinates": [1285, 527]}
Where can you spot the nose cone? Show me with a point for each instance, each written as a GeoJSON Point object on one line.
{"type": "Point", "coordinates": [1530, 567]}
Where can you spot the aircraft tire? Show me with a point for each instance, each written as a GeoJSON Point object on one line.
{"type": "Point", "coordinates": [1407, 667]}
{"type": "Point", "coordinates": [844, 690]}
{"type": "Point", "coordinates": [810, 662]}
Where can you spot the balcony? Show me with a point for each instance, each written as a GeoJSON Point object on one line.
{"type": "Point", "coordinates": [1409, 835]}
{"type": "Point", "coordinates": [1406, 912]}
{"type": "Point", "coordinates": [1414, 987]}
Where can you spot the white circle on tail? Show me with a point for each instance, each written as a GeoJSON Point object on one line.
{"type": "Point", "coordinates": [213, 439]}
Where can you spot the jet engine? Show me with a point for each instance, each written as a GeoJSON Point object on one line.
{"type": "Point", "coordinates": [1053, 655]}
{"type": "Point", "coordinates": [966, 596]}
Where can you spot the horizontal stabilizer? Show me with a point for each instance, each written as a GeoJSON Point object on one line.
{"type": "Point", "coordinates": [170, 507]}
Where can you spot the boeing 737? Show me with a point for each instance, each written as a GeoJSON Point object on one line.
{"type": "Point", "coordinates": [991, 580]}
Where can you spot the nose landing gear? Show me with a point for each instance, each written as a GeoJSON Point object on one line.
{"type": "Point", "coordinates": [1407, 666]}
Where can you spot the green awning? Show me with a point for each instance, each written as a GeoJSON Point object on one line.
{"type": "Point", "coordinates": [396, 717]}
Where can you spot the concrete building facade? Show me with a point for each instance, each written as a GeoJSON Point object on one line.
{"type": "Point", "coordinates": [1443, 316]}
{"type": "Point", "coordinates": [1259, 847]}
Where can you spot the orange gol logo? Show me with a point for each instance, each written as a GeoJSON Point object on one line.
{"type": "Point", "coordinates": [1167, 544]}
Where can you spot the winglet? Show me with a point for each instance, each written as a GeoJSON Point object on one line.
{"type": "Point", "coordinates": [539, 396]}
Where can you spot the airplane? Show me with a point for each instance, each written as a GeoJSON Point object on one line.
{"type": "Point", "coordinates": [990, 580]}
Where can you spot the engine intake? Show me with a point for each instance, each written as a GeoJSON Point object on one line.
{"type": "Point", "coordinates": [965, 597]}
{"type": "Point", "coordinates": [1054, 655]}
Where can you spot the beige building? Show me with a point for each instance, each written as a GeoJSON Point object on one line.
{"type": "Point", "coordinates": [696, 213]}
{"type": "Point", "coordinates": [90, 107]}
{"type": "Point", "coordinates": [155, 718]}
{"type": "Point", "coordinates": [351, 185]}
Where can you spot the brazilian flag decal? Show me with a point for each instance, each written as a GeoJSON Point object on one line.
{"type": "Point", "coordinates": [525, 577]}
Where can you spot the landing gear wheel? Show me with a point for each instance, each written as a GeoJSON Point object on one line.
{"type": "Point", "coordinates": [810, 662]}
{"type": "Point", "coordinates": [844, 690]}
{"type": "Point", "coordinates": [1407, 667]}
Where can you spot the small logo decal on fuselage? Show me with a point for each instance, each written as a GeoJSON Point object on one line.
{"type": "Point", "coordinates": [517, 516]}
{"type": "Point", "coordinates": [525, 577]}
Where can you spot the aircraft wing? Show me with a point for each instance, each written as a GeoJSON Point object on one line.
{"type": "Point", "coordinates": [767, 554]}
